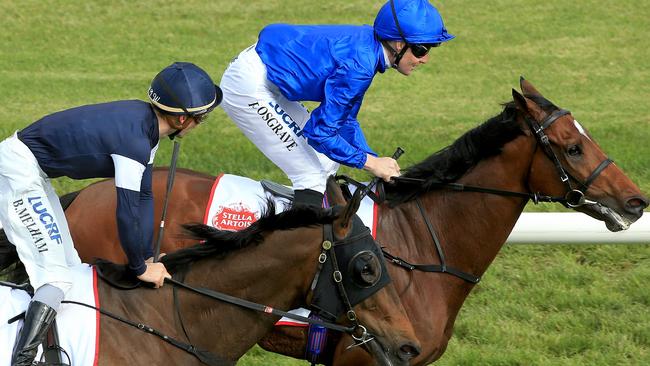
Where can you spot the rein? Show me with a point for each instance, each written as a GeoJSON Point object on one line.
{"type": "Point", "coordinates": [358, 332]}
{"type": "Point", "coordinates": [215, 295]}
{"type": "Point", "coordinates": [207, 357]}
{"type": "Point", "coordinates": [572, 199]}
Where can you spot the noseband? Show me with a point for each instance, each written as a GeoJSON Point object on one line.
{"type": "Point", "coordinates": [574, 197]}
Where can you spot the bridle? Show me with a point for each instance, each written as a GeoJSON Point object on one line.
{"type": "Point", "coordinates": [573, 198]}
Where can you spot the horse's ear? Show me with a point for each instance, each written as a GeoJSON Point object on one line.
{"type": "Point", "coordinates": [334, 193]}
{"type": "Point", "coordinates": [527, 88]}
{"type": "Point", "coordinates": [527, 106]}
{"type": "Point", "coordinates": [343, 223]}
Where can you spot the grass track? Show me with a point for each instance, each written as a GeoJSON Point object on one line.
{"type": "Point", "coordinates": [537, 305]}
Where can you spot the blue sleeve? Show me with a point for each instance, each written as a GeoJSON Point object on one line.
{"type": "Point", "coordinates": [351, 132]}
{"type": "Point", "coordinates": [332, 128]}
{"type": "Point", "coordinates": [146, 212]}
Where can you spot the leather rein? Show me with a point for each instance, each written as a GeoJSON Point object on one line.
{"type": "Point", "coordinates": [574, 197]}
{"type": "Point", "coordinates": [357, 331]}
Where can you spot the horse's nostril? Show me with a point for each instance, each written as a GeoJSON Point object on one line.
{"type": "Point", "coordinates": [408, 351]}
{"type": "Point", "coordinates": [636, 205]}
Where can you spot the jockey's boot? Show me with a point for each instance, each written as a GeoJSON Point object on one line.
{"type": "Point", "coordinates": [307, 197]}
{"type": "Point", "coordinates": [37, 321]}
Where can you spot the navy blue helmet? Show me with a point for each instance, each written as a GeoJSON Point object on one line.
{"type": "Point", "coordinates": [183, 88]}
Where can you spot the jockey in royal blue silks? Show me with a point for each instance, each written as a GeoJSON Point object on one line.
{"type": "Point", "coordinates": [117, 139]}
{"type": "Point", "coordinates": [333, 65]}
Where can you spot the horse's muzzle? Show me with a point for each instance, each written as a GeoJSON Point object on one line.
{"type": "Point", "coordinates": [635, 206]}
{"type": "Point", "coordinates": [401, 354]}
{"type": "Point", "coordinates": [408, 351]}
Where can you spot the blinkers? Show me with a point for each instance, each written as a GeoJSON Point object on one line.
{"type": "Point", "coordinates": [350, 271]}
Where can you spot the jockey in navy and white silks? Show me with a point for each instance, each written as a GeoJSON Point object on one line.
{"type": "Point", "coordinates": [333, 65]}
{"type": "Point", "coordinates": [116, 139]}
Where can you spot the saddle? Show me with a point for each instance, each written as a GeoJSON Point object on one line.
{"type": "Point", "coordinates": [277, 189]}
{"type": "Point", "coordinates": [118, 275]}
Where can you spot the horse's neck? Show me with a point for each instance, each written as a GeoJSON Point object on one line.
{"type": "Point", "coordinates": [474, 226]}
{"type": "Point", "coordinates": [276, 273]}
{"type": "Point", "coordinates": [471, 227]}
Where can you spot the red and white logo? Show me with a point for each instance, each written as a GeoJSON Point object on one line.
{"type": "Point", "coordinates": [234, 217]}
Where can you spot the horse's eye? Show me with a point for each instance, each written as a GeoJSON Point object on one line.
{"type": "Point", "coordinates": [574, 151]}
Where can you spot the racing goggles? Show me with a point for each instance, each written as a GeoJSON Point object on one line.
{"type": "Point", "coordinates": [420, 50]}
{"type": "Point", "coordinates": [200, 118]}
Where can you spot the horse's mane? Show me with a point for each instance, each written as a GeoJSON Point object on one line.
{"type": "Point", "coordinates": [453, 161]}
{"type": "Point", "coordinates": [221, 242]}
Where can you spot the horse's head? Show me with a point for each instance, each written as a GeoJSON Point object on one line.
{"type": "Point", "coordinates": [366, 285]}
{"type": "Point", "coordinates": [568, 162]}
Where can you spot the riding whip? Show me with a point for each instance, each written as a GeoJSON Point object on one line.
{"type": "Point", "coordinates": [170, 184]}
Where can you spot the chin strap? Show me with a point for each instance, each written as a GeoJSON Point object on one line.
{"type": "Point", "coordinates": [398, 55]}
{"type": "Point", "coordinates": [174, 134]}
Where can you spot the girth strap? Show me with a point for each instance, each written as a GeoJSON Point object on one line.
{"type": "Point", "coordinates": [51, 348]}
{"type": "Point", "coordinates": [205, 357]}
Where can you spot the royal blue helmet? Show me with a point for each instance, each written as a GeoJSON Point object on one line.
{"type": "Point", "coordinates": [418, 20]}
{"type": "Point", "coordinates": [184, 88]}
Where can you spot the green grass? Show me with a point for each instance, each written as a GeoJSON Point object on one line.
{"type": "Point", "coordinates": [537, 305]}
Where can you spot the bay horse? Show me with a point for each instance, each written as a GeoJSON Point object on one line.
{"type": "Point", "coordinates": [453, 212]}
{"type": "Point", "coordinates": [272, 262]}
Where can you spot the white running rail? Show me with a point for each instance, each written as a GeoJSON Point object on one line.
{"type": "Point", "coordinates": [574, 228]}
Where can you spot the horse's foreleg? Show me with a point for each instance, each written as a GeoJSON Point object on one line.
{"type": "Point", "coordinates": [288, 341]}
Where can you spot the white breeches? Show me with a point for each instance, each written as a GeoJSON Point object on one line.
{"type": "Point", "coordinates": [272, 122]}
{"type": "Point", "coordinates": [32, 218]}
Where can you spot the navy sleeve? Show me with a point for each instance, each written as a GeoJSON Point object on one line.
{"type": "Point", "coordinates": [146, 212]}
{"type": "Point", "coordinates": [130, 223]}
{"type": "Point", "coordinates": [129, 227]}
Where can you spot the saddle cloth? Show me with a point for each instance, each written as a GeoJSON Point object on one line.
{"type": "Point", "coordinates": [236, 202]}
{"type": "Point", "coordinates": [78, 327]}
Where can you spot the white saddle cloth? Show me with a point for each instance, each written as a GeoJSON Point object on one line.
{"type": "Point", "coordinates": [78, 327]}
{"type": "Point", "coordinates": [236, 202]}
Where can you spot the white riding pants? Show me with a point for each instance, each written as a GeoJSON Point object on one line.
{"type": "Point", "coordinates": [32, 218]}
{"type": "Point", "coordinates": [272, 122]}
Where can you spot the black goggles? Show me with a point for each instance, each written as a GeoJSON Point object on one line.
{"type": "Point", "coordinates": [420, 50]}
{"type": "Point", "coordinates": [200, 118]}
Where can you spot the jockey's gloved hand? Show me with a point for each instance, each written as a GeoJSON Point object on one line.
{"type": "Point", "coordinates": [382, 167]}
{"type": "Point", "coordinates": [155, 273]}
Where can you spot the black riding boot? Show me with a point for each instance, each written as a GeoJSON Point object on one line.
{"type": "Point", "coordinates": [37, 321]}
{"type": "Point", "coordinates": [307, 197]}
